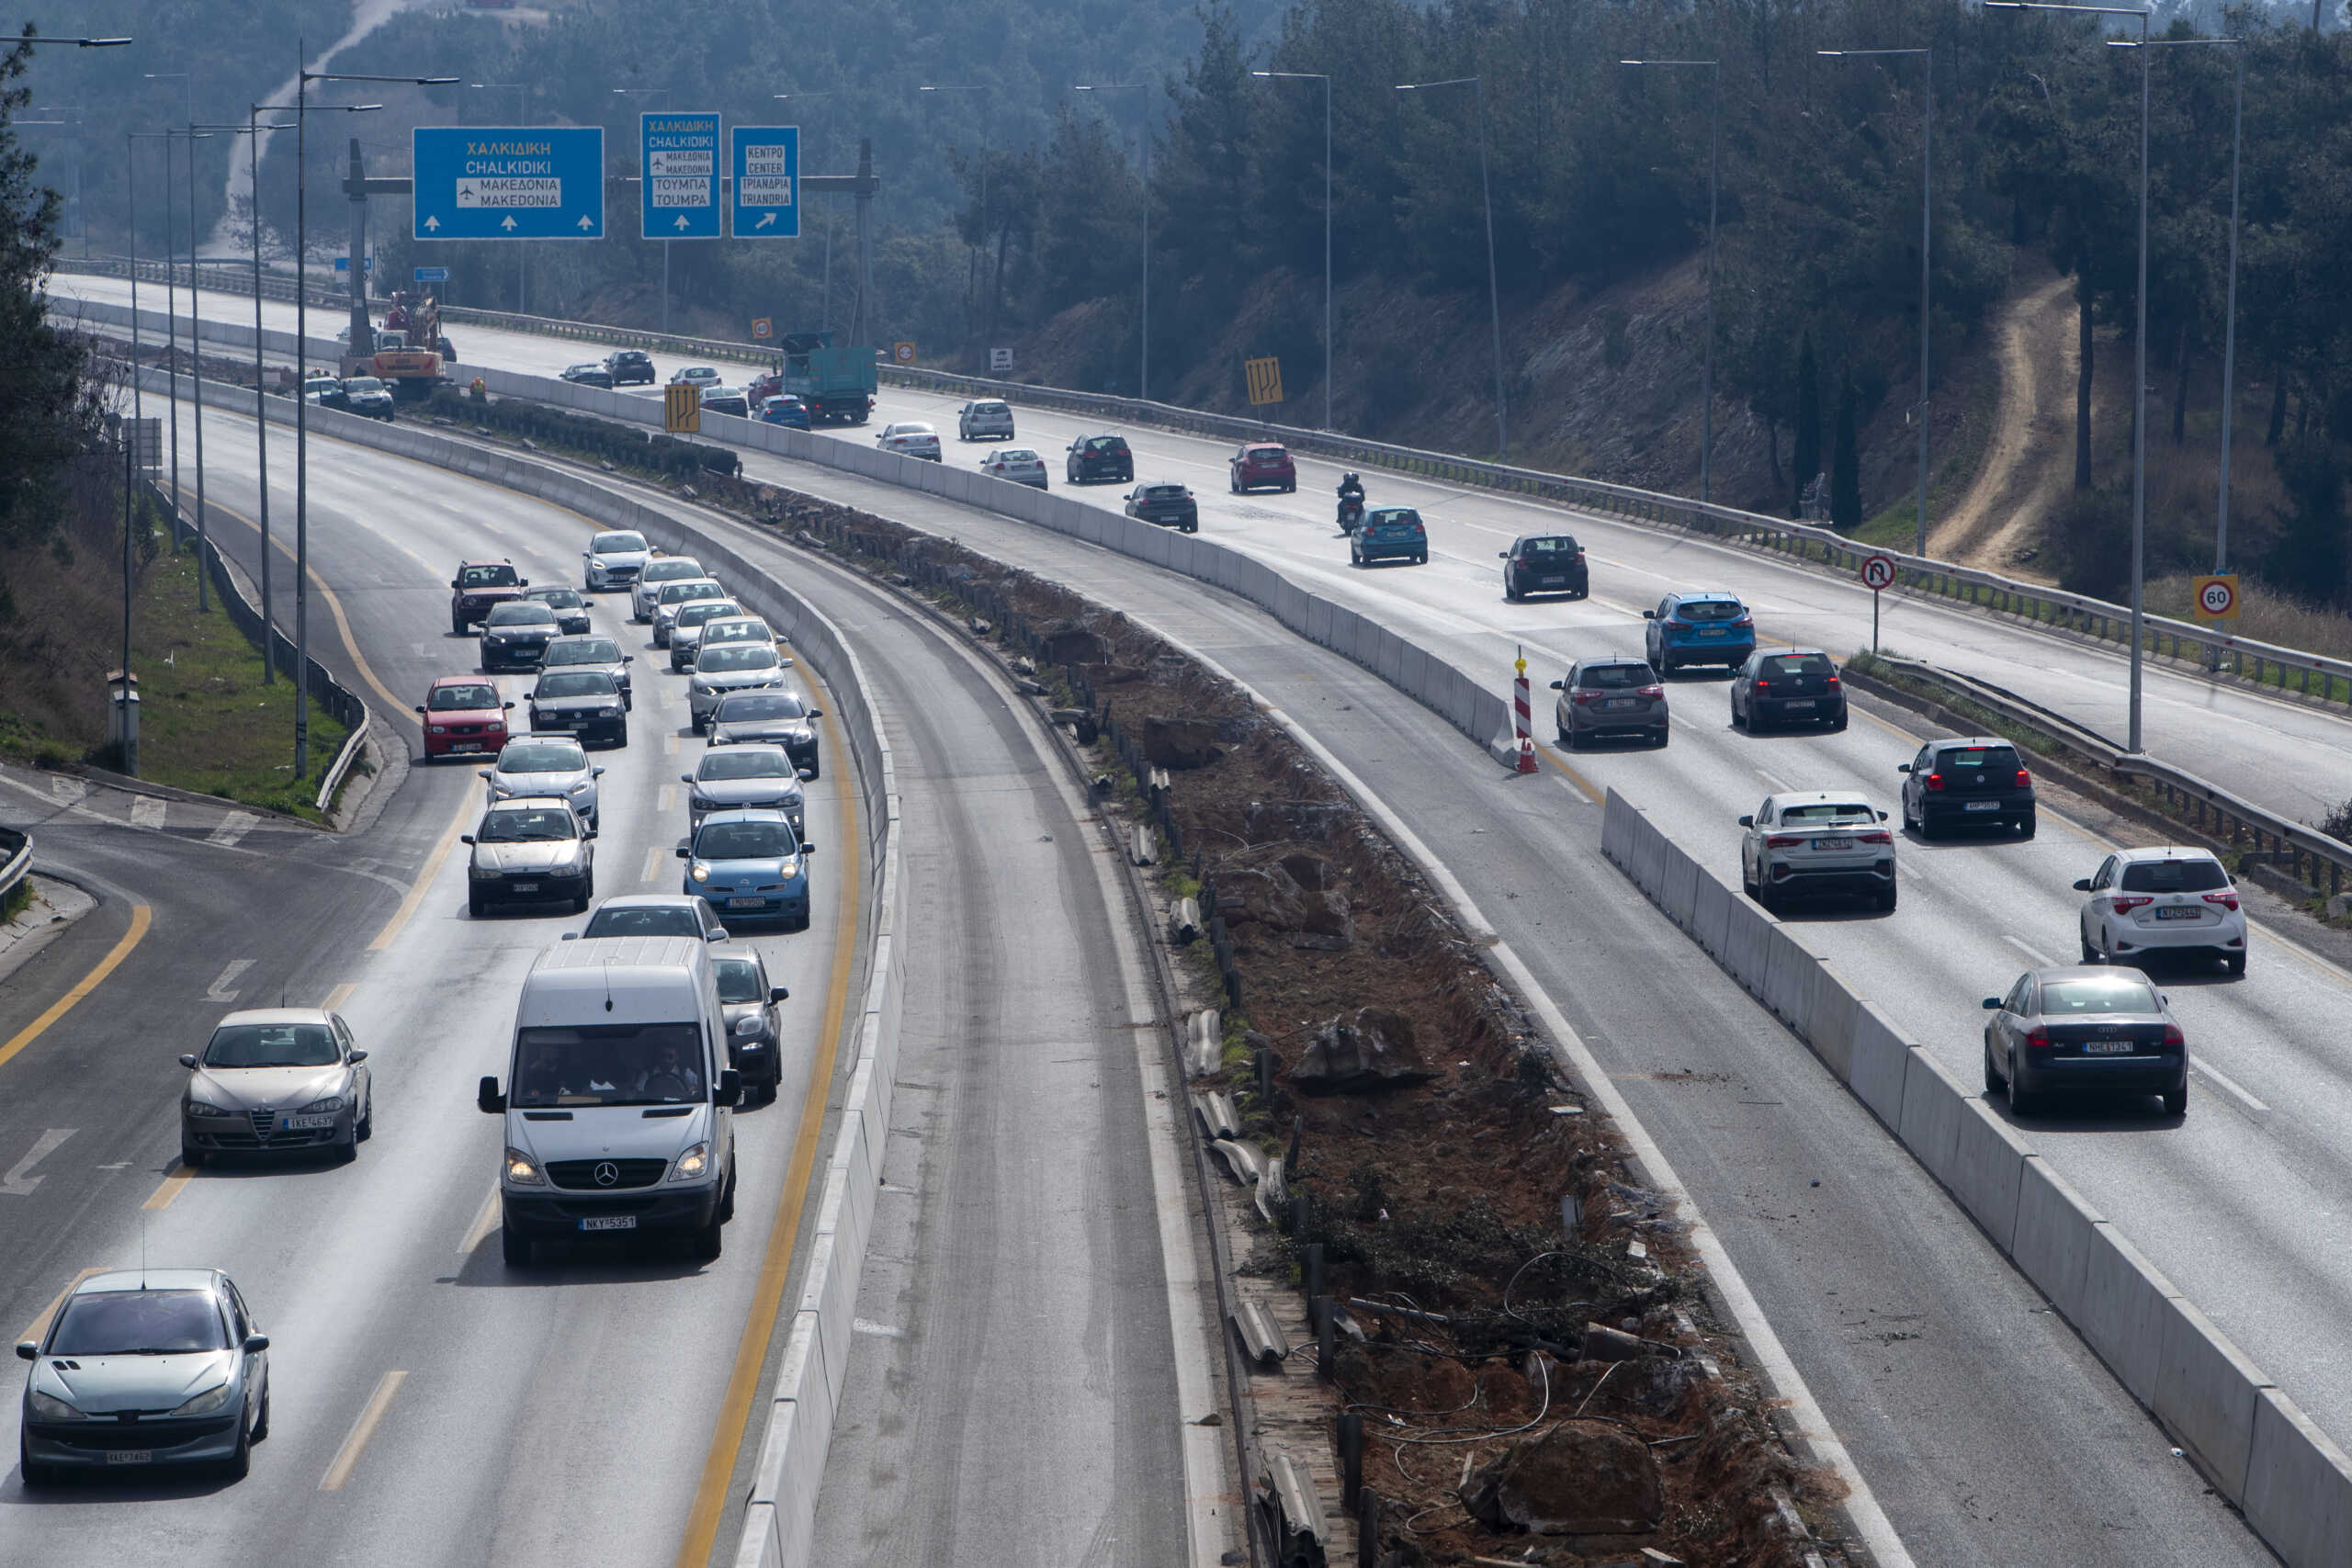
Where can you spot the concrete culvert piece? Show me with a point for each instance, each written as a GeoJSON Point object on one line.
{"type": "Point", "coordinates": [1373, 1051]}
{"type": "Point", "coordinates": [1579, 1478]}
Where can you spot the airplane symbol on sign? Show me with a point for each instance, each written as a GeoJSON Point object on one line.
{"type": "Point", "coordinates": [432, 223]}
{"type": "Point", "coordinates": [765, 218]}
{"type": "Point", "coordinates": [509, 223]}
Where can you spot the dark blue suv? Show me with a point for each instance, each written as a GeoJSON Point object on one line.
{"type": "Point", "coordinates": [1699, 628]}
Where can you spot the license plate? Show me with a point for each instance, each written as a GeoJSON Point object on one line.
{"type": "Point", "coordinates": [1833, 843]}
{"type": "Point", "coordinates": [745, 903]}
{"type": "Point", "coordinates": [1713, 631]}
{"type": "Point", "coordinates": [309, 1123]}
{"type": "Point", "coordinates": [524, 887]}
{"type": "Point", "coordinates": [1552, 581]}
{"type": "Point", "coordinates": [1793, 707]}
{"type": "Point", "coordinates": [130, 1456]}
{"type": "Point", "coordinates": [609, 1223]}
{"type": "Point", "coordinates": [2180, 912]}
{"type": "Point", "coordinates": [466, 746]}
{"type": "Point", "coordinates": [1619, 703]}
{"type": "Point", "coordinates": [2107, 1047]}
{"type": "Point", "coordinates": [1983, 805]}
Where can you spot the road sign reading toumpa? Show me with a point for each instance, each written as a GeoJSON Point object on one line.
{"type": "Point", "coordinates": [678, 155]}
{"type": "Point", "coordinates": [508, 183]}
{"type": "Point", "coordinates": [2215, 598]}
{"type": "Point", "coordinates": [682, 408]}
{"type": "Point", "coordinates": [1878, 572]}
{"type": "Point", "coordinates": [766, 163]}
{"type": "Point", "coordinates": [1265, 378]}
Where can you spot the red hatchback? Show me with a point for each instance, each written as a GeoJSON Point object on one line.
{"type": "Point", "coordinates": [1261, 464]}
{"type": "Point", "coordinates": [463, 716]}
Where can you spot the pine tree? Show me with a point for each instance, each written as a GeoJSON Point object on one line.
{"type": "Point", "coordinates": [1846, 464]}
{"type": "Point", "coordinates": [1807, 461]}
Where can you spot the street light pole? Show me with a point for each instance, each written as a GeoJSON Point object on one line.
{"type": "Point", "coordinates": [171, 308]}
{"type": "Point", "coordinates": [131, 205]}
{"type": "Point", "coordinates": [1714, 165]}
{"type": "Point", "coordinates": [196, 367]}
{"type": "Point", "coordinates": [1143, 167]}
{"type": "Point", "coordinates": [1324, 78]}
{"type": "Point", "coordinates": [1494, 293]}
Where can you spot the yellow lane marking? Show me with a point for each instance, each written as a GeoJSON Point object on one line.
{"type": "Point", "coordinates": [39, 1326]}
{"type": "Point", "coordinates": [752, 1353]}
{"type": "Point", "coordinates": [370, 1416]}
{"type": "Point", "coordinates": [142, 916]}
{"type": "Point", "coordinates": [669, 797]}
{"type": "Point", "coordinates": [425, 876]}
{"type": "Point", "coordinates": [653, 857]}
{"type": "Point", "coordinates": [485, 1222]}
{"type": "Point", "coordinates": [340, 995]}
{"type": "Point", "coordinates": [173, 1185]}
{"type": "Point", "coordinates": [1591, 790]}
{"type": "Point", "coordinates": [334, 608]}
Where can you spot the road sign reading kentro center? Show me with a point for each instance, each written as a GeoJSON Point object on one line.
{"type": "Point", "coordinates": [509, 183]}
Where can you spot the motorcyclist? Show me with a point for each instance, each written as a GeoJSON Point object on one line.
{"type": "Point", "coordinates": [1350, 499]}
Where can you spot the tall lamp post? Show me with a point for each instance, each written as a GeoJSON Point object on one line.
{"type": "Point", "coordinates": [1324, 78]}
{"type": "Point", "coordinates": [1927, 209]}
{"type": "Point", "coordinates": [196, 133]}
{"type": "Point", "coordinates": [301, 403]}
{"type": "Point", "coordinates": [1714, 164]}
{"type": "Point", "coordinates": [2140, 370]}
{"type": "Point", "coordinates": [988, 101]}
{"type": "Point", "coordinates": [519, 89]}
{"type": "Point", "coordinates": [1494, 293]}
{"type": "Point", "coordinates": [642, 174]}
{"type": "Point", "coordinates": [825, 309]}
{"type": "Point", "coordinates": [171, 308]}
{"type": "Point", "coordinates": [1143, 165]}
{"type": "Point", "coordinates": [261, 417]}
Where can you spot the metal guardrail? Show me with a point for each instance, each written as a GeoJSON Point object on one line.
{"type": "Point", "coordinates": [353, 745]}
{"type": "Point", "coordinates": [2297, 848]}
{"type": "Point", "coordinates": [18, 849]}
{"type": "Point", "coordinates": [2263, 664]}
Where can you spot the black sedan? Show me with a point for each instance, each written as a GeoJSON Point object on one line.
{"type": "Point", "coordinates": [516, 636]}
{"type": "Point", "coordinates": [571, 609]}
{"type": "Point", "coordinates": [2087, 1027]}
{"type": "Point", "coordinates": [1787, 685]}
{"type": "Point", "coordinates": [1545, 563]}
{"type": "Point", "coordinates": [629, 365]}
{"type": "Point", "coordinates": [752, 1025]}
{"type": "Point", "coordinates": [587, 703]}
{"type": "Point", "coordinates": [591, 374]}
{"type": "Point", "coordinates": [1168, 504]}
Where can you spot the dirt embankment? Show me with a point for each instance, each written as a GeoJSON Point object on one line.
{"type": "Point", "coordinates": [2029, 463]}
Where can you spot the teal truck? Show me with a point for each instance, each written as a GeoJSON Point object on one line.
{"type": "Point", "coordinates": [838, 384]}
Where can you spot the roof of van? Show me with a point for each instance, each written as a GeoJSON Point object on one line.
{"type": "Point", "coordinates": [632, 952]}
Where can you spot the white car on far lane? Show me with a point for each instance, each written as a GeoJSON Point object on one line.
{"type": "Point", "coordinates": [1019, 463]}
{"type": "Point", "coordinates": [1815, 841]}
{"type": "Point", "coordinates": [911, 439]}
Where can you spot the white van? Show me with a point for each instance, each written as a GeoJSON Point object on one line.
{"type": "Point", "coordinates": [619, 1105]}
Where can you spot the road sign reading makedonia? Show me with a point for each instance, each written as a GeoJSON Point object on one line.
{"type": "Point", "coordinates": [679, 157]}
{"type": "Point", "coordinates": [767, 172]}
{"type": "Point", "coordinates": [509, 183]}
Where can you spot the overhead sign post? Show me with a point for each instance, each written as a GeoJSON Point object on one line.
{"type": "Point", "coordinates": [682, 408]}
{"type": "Point", "coordinates": [508, 183]}
{"type": "Point", "coordinates": [1878, 576]}
{"type": "Point", "coordinates": [766, 165]}
{"type": "Point", "coordinates": [678, 155]}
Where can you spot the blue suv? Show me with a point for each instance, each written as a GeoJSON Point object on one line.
{"type": "Point", "coordinates": [1699, 628]}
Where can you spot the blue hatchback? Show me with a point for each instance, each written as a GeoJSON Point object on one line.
{"type": "Point", "coordinates": [784, 409]}
{"type": "Point", "coordinates": [1699, 628]}
{"type": "Point", "coordinates": [749, 864]}
{"type": "Point", "coordinates": [1389, 533]}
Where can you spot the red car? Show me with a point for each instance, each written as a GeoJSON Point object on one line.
{"type": "Point", "coordinates": [462, 715]}
{"type": "Point", "coordinates": [1262, 465]}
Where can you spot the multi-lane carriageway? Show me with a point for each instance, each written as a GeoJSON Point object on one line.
{"type": "Point", "coordinates": [1980, 1425]}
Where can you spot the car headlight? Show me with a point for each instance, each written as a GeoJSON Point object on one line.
{"type": "Point", "coordinates": [608, 713]}
{"type": "Point", "coordinates": [583, 787]}
{"type": "Point", "coordinates": [748, 1024]}
{"type": "Point", "coordinates": [700, 872]}
{"type": "Point", "coordinates": [703, 803]}
{"type": "Point", "coordinates": [789, 869]}
{"type": "Point", "coordinates": [523, 1170]}
{"type": "Point", "coordinates": [440, 730]}
{"type": "Point", "coordinates": [480, 871]}
{"type": "Point", "coordinates": [205, 1404]}
{"type": "Point", "coordinates": [48, 1407]}
{"type": "Point", "coordinates": [331, 1102]}
{"type": "Point", "coordinates": [692, 1166]}
{"type": "Point", "coordinates": [202, 1107]}
{"type": "Point", "coordinates": [706, 691]}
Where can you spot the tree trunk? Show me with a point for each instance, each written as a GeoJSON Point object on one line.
{"type": "Point", "coordinates": [996, 281]}
{"type": "Point", "coordinates": [2180, 385]}
{"type": "Point", "coordinates": [2277, 426]}
{"type": "Point", "coordinates": [2083, 381]}
{"type": "Point", "coordinates": [1846, 464]}
{"type": "Point", "coordinates": [1772, 450]}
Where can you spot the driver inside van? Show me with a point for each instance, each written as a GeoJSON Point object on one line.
{"type": "Point", "coordinates": [670, 1076]}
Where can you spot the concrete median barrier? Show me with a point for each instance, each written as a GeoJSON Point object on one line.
{"type": "Point", "coordinates": [1747, 933]}
{"type": "Point", "coordinates": [1882, 1063]}
{"type": "Point", "coordinates": [1791, 970]}
{"type": "Point", "coordinates": [1987, 1170]}
{"type": "Point", "coordinates": [1830, 1027]}
{"type": "Point", "coordinates": [2125, 1304]}
{"type": "Point", "coordinates": [1934, 1103]}
{"type": "Point", "coordinates": [2206, 1392]}
{"type": "Point", "coordinates": [2297, 1485]}
{"type": "Point", "coordinates": [1710, 910]}
{"type": "Point", "coordinates": [2056, 1229]}
{"type": "Point", "coordinates": [1678, 883]}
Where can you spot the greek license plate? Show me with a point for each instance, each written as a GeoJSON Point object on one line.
{"type": "Point", "coordinates": [745, 903]}
{"type": "Point", "coordinates": [1618, 703]}
{"type": "Point", "coordinates": [1805, 703]}
{"type": "Point", "coordinates": [465, 745]}
{"type": "Point", "coordinates": [1712, 631]}
{"type": "Point", "coordinates": [1983, 805]}
{"type": "Point", "coordinates": [609, 1223]}
{"type": "Point", "coordinates": [309, 1123]}
{"type": "Point", "coordinates": [1552, 581]}
{"type": "Point", "coordinates": [525, 886]}
{"type": "Point", "coordinates": [1833, 843]}
{"type": "Point", "coordinates": [2178, 912]}
{"type": "Point", "coordinates": [130, 1456]}
{"type": "Point", "coordinates": [2107, 1047]}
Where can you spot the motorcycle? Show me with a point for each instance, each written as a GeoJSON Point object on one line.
{"type": "Point", "coordinates": [1350, 513]}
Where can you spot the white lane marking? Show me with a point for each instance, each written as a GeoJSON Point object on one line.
{"type": "Point", "coordinates": [146, 811]}
{"type": "Point", "coordinates": [371, 1414]}
{"type": "Point", "coordinates": [219, 991]}
{"type": "Point", "coordinates": [880, 1330]}
{"type": "Point", "coordinates": [67, 792]}
{"type": "Point", "coordinates": [234, 826]}
{"type": "Point", "coordinates": [19, 1182]}
{"type": "Point", "coordinates": [2227, 1084]}
{"type": "Point", "coordinates": [2040, 958]}
{"type": "Point", "coordinates": [486, 1220]}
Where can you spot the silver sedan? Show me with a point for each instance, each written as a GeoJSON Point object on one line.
{"type": "Point", "coordinates": [532, 765]}
{"type": "Point", "coordinates": [730, 777]}
{"type": "Point", "coordinates": [731, 667]}
{"type": "Point", "coordinates": [276, 1078]}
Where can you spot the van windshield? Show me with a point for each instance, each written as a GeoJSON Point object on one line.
{"type": "Point", "coordinates": [608, 1063]}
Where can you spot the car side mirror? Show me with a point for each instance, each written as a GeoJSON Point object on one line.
{"type": "Point", "coordinates": [806, 774]}
{"type": "Point", "coordinates": [571, 936]}
{"type": "Point", "coordinates": [487, 1096]}
{"type": "Point", "coordinates": [255, 1343]}
{"type": "Point", "coordinates": [453, 582]}
{"type": "Point", "coordinates": [481, 773]}
{"type": "Point", "coordinates": [731, 1086]}
{"type": "Point", "coordinates": [357, 1057]}
{"type": "Point", "coordinates": [506, 706]}
{"type": "Point", "coordinates": [628, 659]}
{"type": "Point", "coordinates": [1502, 555]}
{"type": "Point", "coordinates": [816, 713]}
{"type": "Point", "coordinates": [1559, 686]}
{"type": "Point", "coordinates": [2082, 884]}
{"type": "Point", "coordinates": [596, 773]}
{"type": "Point", "coordinates": [809, 849]}
{"type": "Point", "coordinates": [1992, 1004]}
{"type": "Point", "coordinates": [522, 582]}
{"type": "Point", "coordinates": [591, 831]}
{"type": "Point", "coordinates": [465, 838]}
{"type": "Point", "coordinates": [779, 994]}
{"type": "Point", "coordinates": [685, 778]}
{"type": "Point", "coordinates": [1649, 615]}
{"type": "Point", "coordinates": [1881, 816]}
{"type": "Point", "coordinates": [684, 851]}
{"type": "Point", "coordinates": [718, 935]}
{"type": "Point", "coordinates": [1747, 821]}
{"type": "Point", "coordinates": [1902, 767]}
{"type": "Point", "coordinates": [28, 1350]}
{"type": "Point", "coordinates": [420, 707]}
{"type": "Point", "coordinates": [188, 1061]}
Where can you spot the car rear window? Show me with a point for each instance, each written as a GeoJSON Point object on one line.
{"type": "Point", "coordinates": [1828, 811]}
{"type": "Point", "coordinates": [1398, 517]}
{"type": "Point", "coordinates": [447, 697]}
{"type": "Point", "coordinates": [1992, 759]}
{"type": "Point", "coordinates": [1561, 545]}
{"type": "Point", "coordinates": [990, 408]}
{"type": "Point", "coordinates": [1106, 443]}
{"type": "Point", "coordinates": [1614, 677]}
{"type": "Point", "coordinates": [1163, 492]}
{"type": "Point", "coordinates": [1709, 610]}
{"type": "Point", "coordinates": [2123, 993]}
{"type": "Point", "coordinates": [363, 384]}
{"type": "Point", "coordinates": [2174, 876]}
{"type": "Point", "coordinates": [1011, 455]}
{"type": "Point", "coordinates": [1797, 664]}
{"type": "Point", "coordinates": [584, 651]}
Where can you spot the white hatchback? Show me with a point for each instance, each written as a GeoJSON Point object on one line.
{"type": "Point", "coordinates": [984, 419]}
{"type": "Point", "coordinates": [2171, 899]}
{"type": "Point", "coordinates": [1018, 464]}
{"type": "Point", "coordinates": [913, 439]}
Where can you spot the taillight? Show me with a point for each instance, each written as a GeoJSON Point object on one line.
{"type": "Point", "coordinates": [1935, 781]}
{"type": "Point", "coordinates": [1744, 621]}
{"type": "Point", "coordinates": [2025, 780]}
{"type": "Point", "coordinates": [1586, 696]}
{"type": "Point", "coordinates": [2172, 1036]}
{"type": "Point", "coordinates": [2226, 900]}
{"type": "Point", "coordinates": [1880, 835]}
{"type": "Point", "coordinates": [2124, 904]}
{"type": "Point", "coordinates": [1833, 679]}
{"type": "Point", "coordinates": [1762, 684]}
{"type": "Point", "coordinates": [2038, 1040]}
{"type": "Point", "coordinates": [1580, 558]}
{"type": "Point", "coordinates": [1651, 692]}
{"type": "Point", "coordinates": [1778, 843]}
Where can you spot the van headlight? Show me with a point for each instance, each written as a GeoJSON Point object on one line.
{"type": "Point", "coordinates": [692, 1166]}
{"type": "Point", "coordinates": [48, 1407]}
{"type": "Point", "coordinates": [205, 1404]}
{"type": "Point", "coordinates": [523, 1170]}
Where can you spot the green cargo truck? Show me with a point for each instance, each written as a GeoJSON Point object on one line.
{"type": "Point", "coordinates": [837, 384]}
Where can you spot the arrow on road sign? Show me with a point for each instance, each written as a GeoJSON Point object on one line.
{"type": "Point", "coordinates": [765, 218]}
{"type": "Point", "coordinates": [509, 223]}
{"type": "Point", "coordinates": [585, 223]}
{"type": "Point", "coordinates": [681, 220]}
{"type": "Point", "coordinates": [433, 223]}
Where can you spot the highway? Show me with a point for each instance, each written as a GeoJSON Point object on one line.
{"type": "Point", "coordinates": [456, 1410]}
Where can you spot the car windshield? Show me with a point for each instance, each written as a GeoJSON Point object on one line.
{"type": "Point", "coordinates": [644, 919]}
{"type": "Point", "coordinates": [1818, 813]}
{"type": "Point", "coordinates": [584, 651]}
{"type": "Point", "coordinates": [1614, 677]}
{"type": "Point", "coordinates": [272, 1045]}
{"type": "Point", "coordinates": [139, 1323]}
{"type": "Point", "coordinates": [2174, 876]}
{"type": "Point", "coordinates": [1561, 545]}
{"type": "Point", "coordinates": [700, 610]}
{"type": "Point", "coordinates": [735, 630]}
{"type": "Point", "coordinates": [488, 577]}
{"type": "Point", "coordinates": [749, 656]}
{"type": "Point", "coordinates": [363, 384]}
{"type": "Point", "coordinates": [1709, 610]}
{"type": "Point", "coordinates": [744, 840]}
{"type": "Point", "coordinates": [2121, 993]}
{"type": "Point", "coordinates": [1991, 758]}
{"type": "Point", "coordinates": [1795, 664]}
{"type": "Point", "coordinates": [608, 1063]}
{"type": "Point", "coordinates": [739, 980]}
{"type": "Point", "coordinates": [586, 684]}
{"type": "Point", "coordinates": [520, 613]}
{"type": "Point", "coordinates": [562, 598]}
{"type": "Point", "coordinates": [537, 824]}
{"type": "Point", "coordinates": [669, 567]}
{"type": "Point", "coordinates": [544, 756]}
{"type": "Point", "coordinates": [760, 705]}
{"type": "Point", "coordinates": [743, 762]}
{"type": "Point", "coordinates": [616, 544]}
{"type": "Point", "coordinates": [680, 593]}
{"type": "Point", "coordinates": [443, 698]}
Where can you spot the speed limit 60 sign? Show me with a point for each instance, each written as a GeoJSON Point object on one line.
{"type": "Point", "coordinates": [2216, 599]}
{"type": "Point", "coordinates": [1878, 572]}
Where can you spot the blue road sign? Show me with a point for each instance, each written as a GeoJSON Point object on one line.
{"type": "Point", "coordinates": [678, 156]}
{"type": "Point", "coordinates": [767, 181]}
{"type": "Point", "coordinates": [366, 263]}
{"type": "Point", "coordinates": [509, 182]}
{"type": "Point", "coordinates": [431, 274]}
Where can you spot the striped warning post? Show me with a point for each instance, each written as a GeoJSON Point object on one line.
{"type": "Point", "coordinates": [1521, 719]}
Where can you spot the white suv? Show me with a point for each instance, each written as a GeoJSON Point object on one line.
{"type": "Point", "coordinates": [2171, 899]}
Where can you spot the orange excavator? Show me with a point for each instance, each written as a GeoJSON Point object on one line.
{"type": "Point", "coordinates": [409, 349]}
